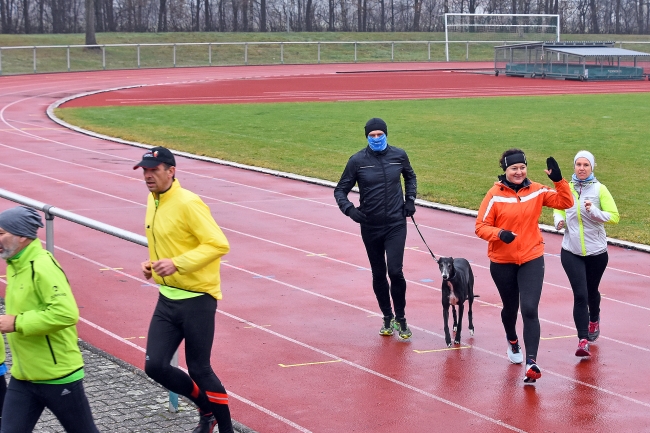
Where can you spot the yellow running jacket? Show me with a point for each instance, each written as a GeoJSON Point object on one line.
{"type": "Point", "coordinates": [179, 226]}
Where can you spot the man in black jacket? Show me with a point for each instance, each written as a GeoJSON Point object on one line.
{"type": "Point", "coordinates": [382, 214]}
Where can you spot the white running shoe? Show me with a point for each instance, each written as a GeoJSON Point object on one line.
{"type": "Point", "coordinates": [514, 353]}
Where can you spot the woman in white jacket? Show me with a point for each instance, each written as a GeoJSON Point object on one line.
{"type": "Point", "coordinates": [584, 247]}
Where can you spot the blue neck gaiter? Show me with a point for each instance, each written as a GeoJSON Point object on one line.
{"type": "Point", "coordinates": [378, 144]}
{"type": "Point", "coordinates": [575, 178]}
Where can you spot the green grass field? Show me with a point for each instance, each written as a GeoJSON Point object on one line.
{"type": "Point", "coordinates": [454, 144]}
{"type": "Point", "coordinates": [20, 61]}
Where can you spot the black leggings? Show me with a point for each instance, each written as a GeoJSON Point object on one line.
{"type": "Point", "coordinates": [3, 391]}
{"type": "Point", "coordinates": [385, 248]}
{"type": "Point", "coordinates": [193, 320]}
{"type": "Point", "coordinates": [25, 402]}
{"type": "Point", "coordinates": [584, 274]}
{"type": "Point", "coordinates": [520, 284]}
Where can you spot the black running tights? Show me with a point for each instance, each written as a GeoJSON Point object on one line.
{"type": "Point", "coordinates": [385, 248]}
{"type": "Point", "coordinates": [584, 274]}
{"type": "Point", "coordinates": [520, 285]}
{"type": "Point", "coordinates": [193, 320]}
{"type": "Point", "coordinates": [25, 402]}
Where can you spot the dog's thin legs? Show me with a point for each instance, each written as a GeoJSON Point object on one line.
{"type": "Point", "coordinates": [445, 317]}
{"type": "Point", "coordinates": [469, 317]}
{"type": "Point", "coordinates": [461, 309]}
{"type": "Point", "coordinates": [453, 310]}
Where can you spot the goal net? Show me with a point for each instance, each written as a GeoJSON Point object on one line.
{"type": "Point", "coordinates": [501, 28]}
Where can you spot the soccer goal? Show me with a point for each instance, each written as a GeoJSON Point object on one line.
{"type": "Point", "coordinates": [500, 28]}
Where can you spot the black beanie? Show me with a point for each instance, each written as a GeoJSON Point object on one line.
{"type": "Point", "coordinates": [376, 124]}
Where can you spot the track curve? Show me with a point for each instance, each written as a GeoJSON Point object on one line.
{"type": "Point", "coordinates": [297, 339]}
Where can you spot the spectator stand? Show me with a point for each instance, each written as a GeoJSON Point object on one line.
{"type": "Point", "coordinates": [581, 61]}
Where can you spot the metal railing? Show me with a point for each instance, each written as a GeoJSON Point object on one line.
{"type": "Point", "coordinates": [62, 58]}
{"type": "Point", "coordinates": [51, 212]}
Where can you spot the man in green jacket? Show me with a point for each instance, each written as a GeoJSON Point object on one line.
{"type": "Point", "coordinates": [40, 319]}
{"type": "Point", "coordinates": [185, 248]}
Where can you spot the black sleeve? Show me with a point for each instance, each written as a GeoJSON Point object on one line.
{"type": "Point", "coordinates": [410, 181]}
{"type": "Point", "coordinates": [345, 185]}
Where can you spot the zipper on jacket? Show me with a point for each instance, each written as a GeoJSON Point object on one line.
{"type": "Point", "coordinates": [383, 170]}
{"type": "Point", "coordinates": [153, 233]}
{"type": "Point", "coordinates": [47, 337]}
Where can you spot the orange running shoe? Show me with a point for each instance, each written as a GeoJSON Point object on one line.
{"type": "Point", "coordinates": [532, 371]}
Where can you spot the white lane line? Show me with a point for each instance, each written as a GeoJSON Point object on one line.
{"type": "Point", "coordinates": [367, 312]}
{"type": "Point", "coordinates": [230, 393]}
{"type": "Point", "coordinates": [570, 379]}
{"type": "Point", "coordinates": [141, 349]}
{"type": "Point", "coordinates": [376, 373]}
{"type": "Point", "coordinates": [71, 184]}
{"type": "Point", "coordinates": [319, 202]}
{"type": "Point", "coordinates": [356, 266]}
{"type": "Point", "coordinates": [360, 367]}
{"type": "Point", "coordinates": [21, 132]}
{"type": "Point", "coordinates": [274, 192]}
{"type": "Point", "coordinates": [283, 217]}
{"type": "Point", "coordinates": [329, 355]}
{"type": "Point", "coordinates": [196, 174]}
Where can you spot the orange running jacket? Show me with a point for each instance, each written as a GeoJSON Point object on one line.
{"type": "Point", "coordinates": [519, 212]}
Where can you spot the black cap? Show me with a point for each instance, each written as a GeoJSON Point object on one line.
{"type": "Point", "coordinates": [156, 156]}
{"type": "Point", "coordinates": [376, 124]}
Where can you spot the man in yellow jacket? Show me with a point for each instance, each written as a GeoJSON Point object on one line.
{"type": "Point", "coordinates": [185, 247]}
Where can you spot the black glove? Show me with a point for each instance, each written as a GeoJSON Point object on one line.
{"type": "Point", "coordinates": [356, 215]}
{"type": "Point", "coordinates": [409, 208]}
{"type": "Point", "coordinates": [506, 236]}
{"type": "Point", "coordinates": [556, 174]}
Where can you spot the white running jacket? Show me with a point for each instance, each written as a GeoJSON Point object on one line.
{"type": "Point", "coordinates": [584, 233]}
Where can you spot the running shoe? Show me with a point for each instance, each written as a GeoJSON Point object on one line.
{"type": "Point", "coordinates": [207, 423]}
{"type": "Point", "coordinates": [594, 331]}
{"type": "Point", "coordinates": [583, 348]}
{"type": "Point", "coordinates": [514, 352]}
{"type": "Point", "coordinates": [387, 329]}
{"type": "Point", "coordinates": [532, 371]}
{"type": "Point", "coordinates": [402, 329]}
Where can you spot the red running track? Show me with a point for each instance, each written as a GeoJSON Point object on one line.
{"type": "Point", "coordinates": [296, 343]}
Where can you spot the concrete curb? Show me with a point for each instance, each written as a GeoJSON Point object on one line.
{"type": "Point", "coordinates": [316, 181]}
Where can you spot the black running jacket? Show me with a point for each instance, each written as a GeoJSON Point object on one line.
{"type": "Point", "coordinates": [380, 187]}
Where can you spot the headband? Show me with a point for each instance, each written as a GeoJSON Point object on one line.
{"type": "Point", "coordinates": [515, 158]}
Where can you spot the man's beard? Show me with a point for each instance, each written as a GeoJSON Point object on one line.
{"type": "Point", "coordinates": [10, 248]}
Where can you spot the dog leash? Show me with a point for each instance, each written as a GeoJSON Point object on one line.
{"type": "Point", "coordinates": [425, 242]}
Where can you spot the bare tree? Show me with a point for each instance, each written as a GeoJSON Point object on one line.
{"type": "Point", "coordinates": [309, 12]}
{"type": "Point", "coordinates": [345, 25]}
{"type": "Point", "coordinates": [41, 10]}
{"type": "Point", "coordinates": [330, 20]}
{"type": "Point", "coordinates": [594, 16]}
{"type": "Point", "coordinates": [235, 13]}
{"type": "Point", "coordinates": [417, 7]}
{"type": "Point", "coordinates": [162, 16]}
{"type": "Point", "coordinates": [90, 22]}
{"type": "Point", "coordinates": [196, 16]}
{"type": "Point", "coordinates": [262, 15]}
{"type": "Point", "coordinates": [26, 16]}
{"type": "Point", "coordinates": [208, 16]}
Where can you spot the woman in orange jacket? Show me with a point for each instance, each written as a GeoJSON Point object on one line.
{"type": "Point", "coordinates": [508, 220]}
